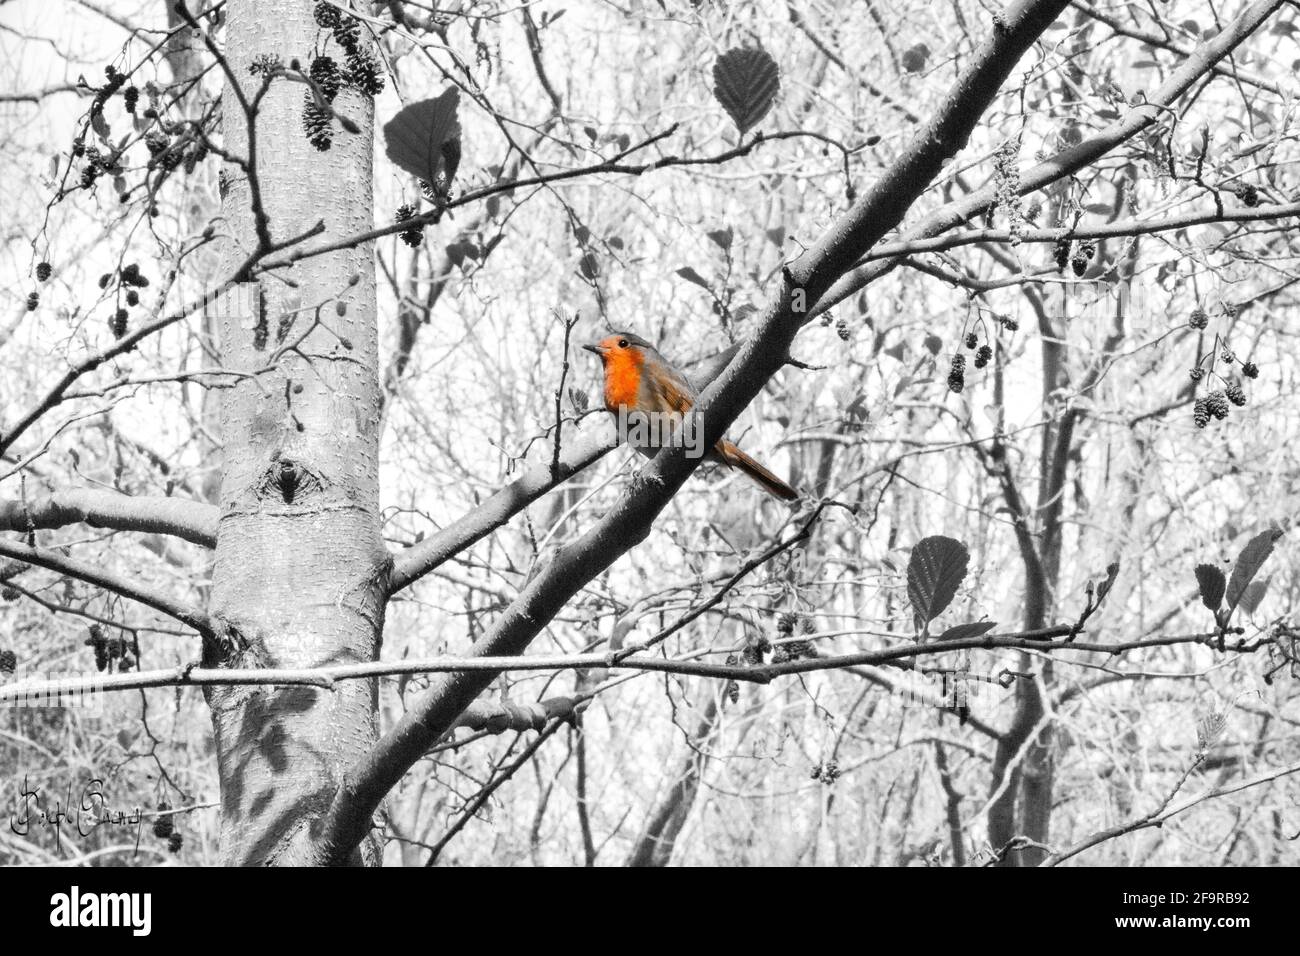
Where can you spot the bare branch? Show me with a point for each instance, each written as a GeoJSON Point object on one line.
{"type": "Point", "coordinates": [517, 718]}
{"type": "Point", "coordinates": [118, 584]}
{"type": "Point", "coordinates": [1159, 817]}
{"type": "Point", "coordinates": [1069, 161]}
{"type": "Point", "coordinates": [498, 718]}
{"type": "Point", "coordinates": [486, 793]}
{"type": "Point", "coordinates": [1156, 40]}
{"type": "Point", "coordinates": [1120, 228]}
{"type": "Point", "coordinates": [192, 520]}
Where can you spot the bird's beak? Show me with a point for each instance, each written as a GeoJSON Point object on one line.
{"type": "Point", "coordinates": [596, 349]}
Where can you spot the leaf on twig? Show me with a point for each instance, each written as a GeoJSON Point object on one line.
{"type": "Point", "coordinates": [457, 252]}
{"type": "Point", "coordinates": [721, 237]}
{"type": "Point", "coordinates": [690, 275]}
{"type": "Point", "coordinates": [1212, 583]}
{"type": "Point", "coordinates": [745, 82]}
{"type": "Point", "coordinates": [579, 399]}
{"type": "Point", "coordinates": [1112, 572]}
{"type": "Point", "coordinates": [1253, 594]}
{"type": "Point", "coordinates": [424, 138]}
{"type": "Point", "coordinates": [1209, 729]}
{"type": "Point", "coordinates": [915, 58]}
{"type": "Point", "coordinates": [937, 566]}
{"type": "Point", "coordinates": [1251, 559]}
{"type": "Point", "coordinates": [961, 631]}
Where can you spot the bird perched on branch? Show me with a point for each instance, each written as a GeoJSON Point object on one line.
{"type": "Point", "coordinates": [643, 391]}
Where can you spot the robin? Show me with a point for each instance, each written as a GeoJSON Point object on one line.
{"type": "Point", "coordinates": [639, 380]}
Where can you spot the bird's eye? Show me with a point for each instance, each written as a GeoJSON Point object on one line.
{"type": "Point", "coordinates": [622, 343]}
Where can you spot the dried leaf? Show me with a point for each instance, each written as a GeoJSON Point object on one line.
{"type": "Point", "coordinates": [1209, 729]}
{"type": "Point", "coordinates": [721, 238]}
{"type": "Point", "coordinates": [1212, 583]}
{"type": "Point", "coordinates": [915, 57]}
{"type": "Point", "coordinates": [1112, 572]}
{"type": "Point", "coordinates": [745, 82]}
{"type": "Point", "coordinates": [424, 138]}
{"type": "Point", "coordinates": [1253, 594]}
{"type": "Point", "coordinates": [961, 631]}
{"type": "Point", "coordinates": [1252, 557]}
{"type": "Point", "coordinates": [690, 275]}
{"type": "Point", "coordinates": [456, 253]}
{"type": "Point", "coordinates": [936, 568]}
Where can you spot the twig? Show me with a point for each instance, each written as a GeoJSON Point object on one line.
{"type": "Point", "coordinates": [569, 323]}
{"type": "Point", "coordinates": [485, 794]}
{"type": "Point", "coordinates": [92, 574]}
{"type": "Point", "coordinates": [1159, 817]}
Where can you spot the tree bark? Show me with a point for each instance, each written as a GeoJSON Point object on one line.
{"type": "Point", "coordinates": [299, 557]}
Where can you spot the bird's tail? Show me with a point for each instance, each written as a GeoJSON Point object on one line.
{"type": "Point", "coordinates": [773, 485]}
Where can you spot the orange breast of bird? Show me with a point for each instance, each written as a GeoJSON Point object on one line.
{"type": "Point", "coordinates": [623, 379]}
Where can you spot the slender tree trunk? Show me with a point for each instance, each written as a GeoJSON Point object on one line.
{"type": "Point", "coordinates": [299, 554]}
{"type": "Point", "coordinates": [654, 847]}
{"type": "Point", "coordinates": [183, 53]}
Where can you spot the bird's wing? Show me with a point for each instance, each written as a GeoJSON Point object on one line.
{"type": "Point", "coordinates": [669, 390]}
